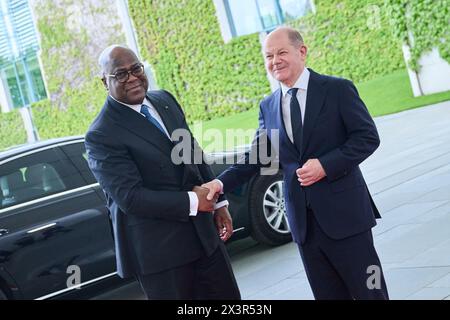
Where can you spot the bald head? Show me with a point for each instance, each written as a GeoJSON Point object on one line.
{"type": "Point", "coordinates": [110, 54]}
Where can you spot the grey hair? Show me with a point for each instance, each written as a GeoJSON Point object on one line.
{"type": "Point", "coordinates": [104, 57]}
{"type": "Point", "coordinates": [294, 36]}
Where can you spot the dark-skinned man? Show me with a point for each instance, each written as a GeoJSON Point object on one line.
{"type": "Point", "coordinates": [167, 234]}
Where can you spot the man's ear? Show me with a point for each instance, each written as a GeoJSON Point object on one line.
{"type": "Point", "coordinates": [104, 83]}
{"type": "Point", "coordinates": [303, 51]}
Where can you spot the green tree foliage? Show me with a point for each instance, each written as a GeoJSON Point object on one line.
{"type": "Point", "coordinates": [181, 39]}
{"type": "Point", "coordinates": [183, 43]}
{"type": "Point", "coordinates": [73, 33]}
{"type": "Point", "coordinates": [11, 129]}
{"type": "Point", "coordinates": [351, 39]}
{"type": "Point", "coordinates": [422, 25]}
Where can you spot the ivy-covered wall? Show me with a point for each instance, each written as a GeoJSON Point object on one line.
{"type": "Point", "coordinates": [73, 33]}
{"type": "Point", "coordinates": [182, 41]}
{"type": "Point", "coordinates": [351, 39]}
{"type": "Point", "coordinates": [12, 131]}
{"type": "Point", "coordinates": [357, 39]}
{"type": "Point", "coordinates": [422, 25]}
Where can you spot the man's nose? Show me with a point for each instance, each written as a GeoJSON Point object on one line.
{"type": "Point", "coordinates": [275, 60]}
{"type": "Point", "coordinates": [131, 77]}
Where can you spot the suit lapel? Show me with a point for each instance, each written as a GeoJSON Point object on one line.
{"type": "Point", "coordinates": [164, 112]}
{"type": "Point", "coordinates": [139, 125]}
{"type": "Point", "coordinates": [191, 174]}
{"type": "Point", "coordinates": [315, 99]}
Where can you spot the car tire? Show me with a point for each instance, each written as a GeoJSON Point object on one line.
{"type": "Point", "coordinates": [269, 223]}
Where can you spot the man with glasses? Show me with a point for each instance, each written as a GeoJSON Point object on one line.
{"type": "Point", "coordinates": [166, 233]}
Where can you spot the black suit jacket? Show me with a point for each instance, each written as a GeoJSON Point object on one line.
{"type": "Point", "coordinates": [146, 191]}
{"type": "Point", "coordinates": [339, 131]}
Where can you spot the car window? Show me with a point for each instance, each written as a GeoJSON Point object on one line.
{"type": "Point", "coordinates": [30, 182]}
{"type": "Point", "coordinates": [77, 154]}
{"type": "Point", "coordinates": [35, 176]}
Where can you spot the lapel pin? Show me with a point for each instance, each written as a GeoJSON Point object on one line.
{"type": "Point", "coordinates": [167, 107]}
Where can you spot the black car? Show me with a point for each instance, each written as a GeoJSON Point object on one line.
{"type": "Point", "coordinates": [55, 233]}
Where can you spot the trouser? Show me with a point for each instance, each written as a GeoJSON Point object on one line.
{"type": "Point", "coordinates": [208, 278]}
{"type": "Point", "coordinates": [342, 269]}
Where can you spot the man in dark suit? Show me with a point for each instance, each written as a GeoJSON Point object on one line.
{"type": "Point", "coordinates": [166, 234]}
{"type": "Point", "coordinates": [325, 132]}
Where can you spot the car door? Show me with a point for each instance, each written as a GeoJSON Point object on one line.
{"type": "Point", "coordinates": [54, 225]}
{"type": "Point", "coordinates": [105, 255]}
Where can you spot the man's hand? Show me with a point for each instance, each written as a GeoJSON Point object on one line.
{"type": "Point", "coordinates": [203, 203]}
{"type": "Point", "coordinates": [311, 172]}
{"type": "Point", "coordinates": [224, 223]}
{"type": "Point", "coordinates": [214, 186]}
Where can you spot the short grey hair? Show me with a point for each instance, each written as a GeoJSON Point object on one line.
{"type": "Point", "coordinates": [104, 56]}
{"type": "Point", "coordinates": [294, 36]}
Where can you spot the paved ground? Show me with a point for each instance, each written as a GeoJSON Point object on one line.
{"type": "Point", "coordinates": [409, 177]}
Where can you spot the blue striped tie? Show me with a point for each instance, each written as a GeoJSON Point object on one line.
{"type": "Point", "coordinates": [151, 119]}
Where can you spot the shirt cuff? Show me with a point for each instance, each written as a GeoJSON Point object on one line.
{"type": "Point", "coordinates": [221, 204]}
{"type": "Point", "coordinates": [193, 200]}
{"type": "Point", "coordinates": [221, 185]}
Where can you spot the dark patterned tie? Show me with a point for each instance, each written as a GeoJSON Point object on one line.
{"type": "Point", "coordinates": [296, 119]}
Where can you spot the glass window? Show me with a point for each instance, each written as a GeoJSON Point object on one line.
{"type": "Point", "coordinates": [24, 80]}
{"type": "Point", "coordinates": [35, 176]}
{"type": "Point", "coordinates": [19, 67]}
{"type": "Point", "coordinates": [251, 16]}
{"type": "Point", "coordinates": [76, 152]}
{"type": "Point", "coordinates": [292, 9]}
{"type": "Point", "coordinates": [269, 14]}
{"type": "Point", "coordinates": [28, 183]}
{"type": "Point", "coordinates": [244, 17]}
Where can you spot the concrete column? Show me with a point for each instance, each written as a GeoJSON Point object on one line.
{"type": "Point", "coordinates": [32, 134]}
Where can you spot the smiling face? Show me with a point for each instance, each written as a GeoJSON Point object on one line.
{"type": "Point", "coordinates": [284, 60]}
{"type": "Point", "coordinates": [134, 89]}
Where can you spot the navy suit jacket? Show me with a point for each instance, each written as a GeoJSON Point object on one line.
{"type": "Point", "coordinates": [146, 191]}
{"type": "Point", "coordinates": [339, 131]}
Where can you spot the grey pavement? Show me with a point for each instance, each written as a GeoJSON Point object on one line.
{"type": "Point", "coordinates": [409, 178]}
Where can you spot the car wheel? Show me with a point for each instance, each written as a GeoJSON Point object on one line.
{"type": "Point", "coordinates": [269, 224]}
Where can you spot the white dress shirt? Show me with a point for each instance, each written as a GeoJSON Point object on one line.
{"type": "Point", "coordinates": [193, 199]}
{"type": "Point", "coordinates": [302, 85]}
{"type": "Point", "coordinates": [151, 109]}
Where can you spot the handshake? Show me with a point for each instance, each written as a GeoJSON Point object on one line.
{"type": "Point", "coordinates": [207, 195]}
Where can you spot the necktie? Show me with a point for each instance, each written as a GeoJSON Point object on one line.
{"type": "Point", "coordinates": [151, 119]}
{"type": "Point", "coordinates": [296, 119]}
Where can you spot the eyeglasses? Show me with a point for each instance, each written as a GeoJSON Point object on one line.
{"type": "Point", "coordinates": [123, 76]}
